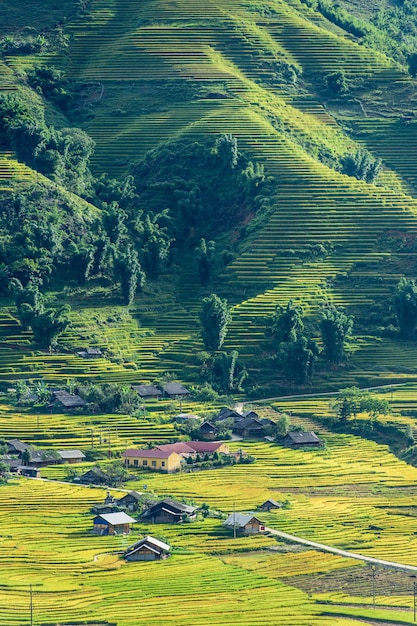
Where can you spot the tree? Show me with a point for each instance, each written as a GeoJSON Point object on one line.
{"type": "Point", "coordinates": [214, 317]}
{"type": "Point", "coordinates": [352, 400]}
{"type": "Point", "coordinates": [287, 323]}
{"type": "Point", "coordinates": [335, 327]}
{"type": "Point", "coordinates": [129, 271]}
{"type": "Point", "coordinates": [362, 165]}
{"type": "Point", "coordinates": [47, 326]}
{"type": "Point", "coordinates": [412, 64]}
{"type": "Point", "coordinates": [337, 82]}
{"type": "Point", "coordinates": [298, 358]}
{"type": "Point", "coordinates": [206, 257]}
{"type": "Point", "coordinates": [405, 305]}
{"type": "Point", "coordinates": [156, 243]}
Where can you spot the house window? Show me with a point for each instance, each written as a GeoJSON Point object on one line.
{"type": "Point", "coordinates": [162, 463]}
{"type": "Point", "coordinates": [136, 462]}
{"type": "Point", "coordinates": [145, 462]}
{"type": "Point", "coordinates": [153, 463]}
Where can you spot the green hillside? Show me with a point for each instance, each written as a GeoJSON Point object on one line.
{"type": "Point", "coordinates": [144, 75]}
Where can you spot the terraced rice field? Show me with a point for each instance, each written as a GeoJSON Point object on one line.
{"type": "Point", "coordinates": [77, 576]}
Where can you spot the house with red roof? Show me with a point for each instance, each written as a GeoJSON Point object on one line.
{"type": "Point", "coordinates": [168, 457]}
{"type": "Point", "coordinates": [153, 459]}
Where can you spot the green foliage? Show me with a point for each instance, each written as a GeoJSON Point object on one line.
{"type": "Point", "coordinates": [286, 323]}
{"type": "Point", "coordinates": [352, 400]}
{"type": "Point", "coordinates": [214, 317]}
{"type": "Point", "coordinates": [335, 327]}
{"type": "Point", "coordinates": [206, 252]}
{"type": "Point", "coordinates": [297, 357]}
{"type": "Point", "coordinates": [405, 306]}
{"type": "Point", "coordinates": [337, 82]}
{"type": "Point", "coordinates": [208, 186]}
{"type": "Point", "coordinates": [110, 398]}
{"type": "Point", "coordinates": [128, 270]}
{"type": "Point", "coordinates": [46, 324]}
{"type": "Point", "coordinates": [362, 165]}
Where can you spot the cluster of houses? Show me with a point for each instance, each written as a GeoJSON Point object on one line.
{"type": "Point", "coordinates": [22, 459]}
{"type": "Point", "coordinates": [165, 511]}
{"type": "Point", "coordinates": [170, 457]}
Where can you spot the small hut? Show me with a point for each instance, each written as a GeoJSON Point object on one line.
{"type": "Point", "coordinates": [113, 524]}
{"type": "Point", "coordinates": [147, 549]}
{"type": "Point", "coordinates": [245, 523]}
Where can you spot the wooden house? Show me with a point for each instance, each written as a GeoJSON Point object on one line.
{"type": "Point", "coordinates": [302, 440]}
{"type": "Point", "coordinates": [175, 391]}
{"type": "Point", "coordinates": [269, 505]}
{"type": "Point", "coordinates": [69, 401]}
{"type": "Point", "coordinates": [248, 427]}
{"type": "Point", "coordinates": [186, 418]}
{"type": "Point", "coordinates": [226, 413]}
{"type": "Point", "coordinates": [208, 431]}
{"type": "Point", "coordinates": [90, 353]}
{"type": "Point", "coordinates": [153, 459]}
{"type": "Point", "coordinates": [28, 471]}
{"type": "Point", "coordinates": [131, 501]}
{"type": "Point", "coordinates": [15, 446]}
{"type": "Point", "coordinates": [113, 523]}
{"type": "Point", "coordinates": [252, 414]}
{"type": "Point", "coordinates": [71, 456]}
{"type": "Point", "coordinates": [245, 524]}
{"type": "Point", "coordinates": [94, 476]}
{"type": "Point", "coordinates": [169, 512]}
{"type": "Point", "coordinates": [147, 549]}
{"type": "Point", "coordinates": [147, 392]}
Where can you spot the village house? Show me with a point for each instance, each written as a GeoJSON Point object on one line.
{"type": "Point", "coordinates": [186, 418]}
{"type": "Point", "coordinates": [130, 501]}
{"type": "Point", "coordinates": [71, 456]}
{"type": "Point", "coordinates": [169, 457]}
{"type": "Point", "coordinates": [248, 427]}
{"type": "Point", "coordinates": [169, 512]}
{"type": "Point", "coordinates": [192, 448]}
{"type": "Point", "coordinates": [113, 523]}
{"type": "Point", "coordinates": [28, 471]}
{"type": "Point", "coordinates": [154, 459]}
{"type": "Point", "coordinates": [147, 549]}
{"type": "Point", "coordinates": [244, 524]}
{"type": "Point", "coordinates": [94, 476]}
{"type": "Point", "coordinates": [207, 431]}
{"type": "Point", "coordinates": [302, 440]}
{"type": "Point", "coordinates": [175, 391]}
{"type": "Point", "coordinates": [269, 505]}
{"type": "Point", "coordinates": [90, 353]}
{"type": "Point", "coordinates": [15, 446]}
{"type": "Point", "coordinates": [147, 392]}
{"type": "Point", "coordinates": [225, 414]}
{"type": "Point", "coordinates": [64, 400]}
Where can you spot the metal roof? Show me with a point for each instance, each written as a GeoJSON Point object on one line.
{"type": "Point", "coordinates": [117, 518]}
{"type": "Point", "coordinates": [240, 519]}
{"type": "Point", "coordinates": [153, 453]}
{"type": "Point", "coordinates": [71, 454]}
{"type": "Point", "coordinates": [149, 542]}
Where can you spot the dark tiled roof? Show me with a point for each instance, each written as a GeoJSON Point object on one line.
{"type": "Point", "coordinates": [303, 437]}
{"type": "Point", "coordinates": [248, 423]}
{"type": "Point", "coordinates": [147, 390]}
{"type": "Point", "coordinates": [175, 389]}
{"type": "Point", "coordinates": [68, 400]}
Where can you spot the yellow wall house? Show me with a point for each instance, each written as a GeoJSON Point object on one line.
{"type": "Point", "coordinates": [158, 460]}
